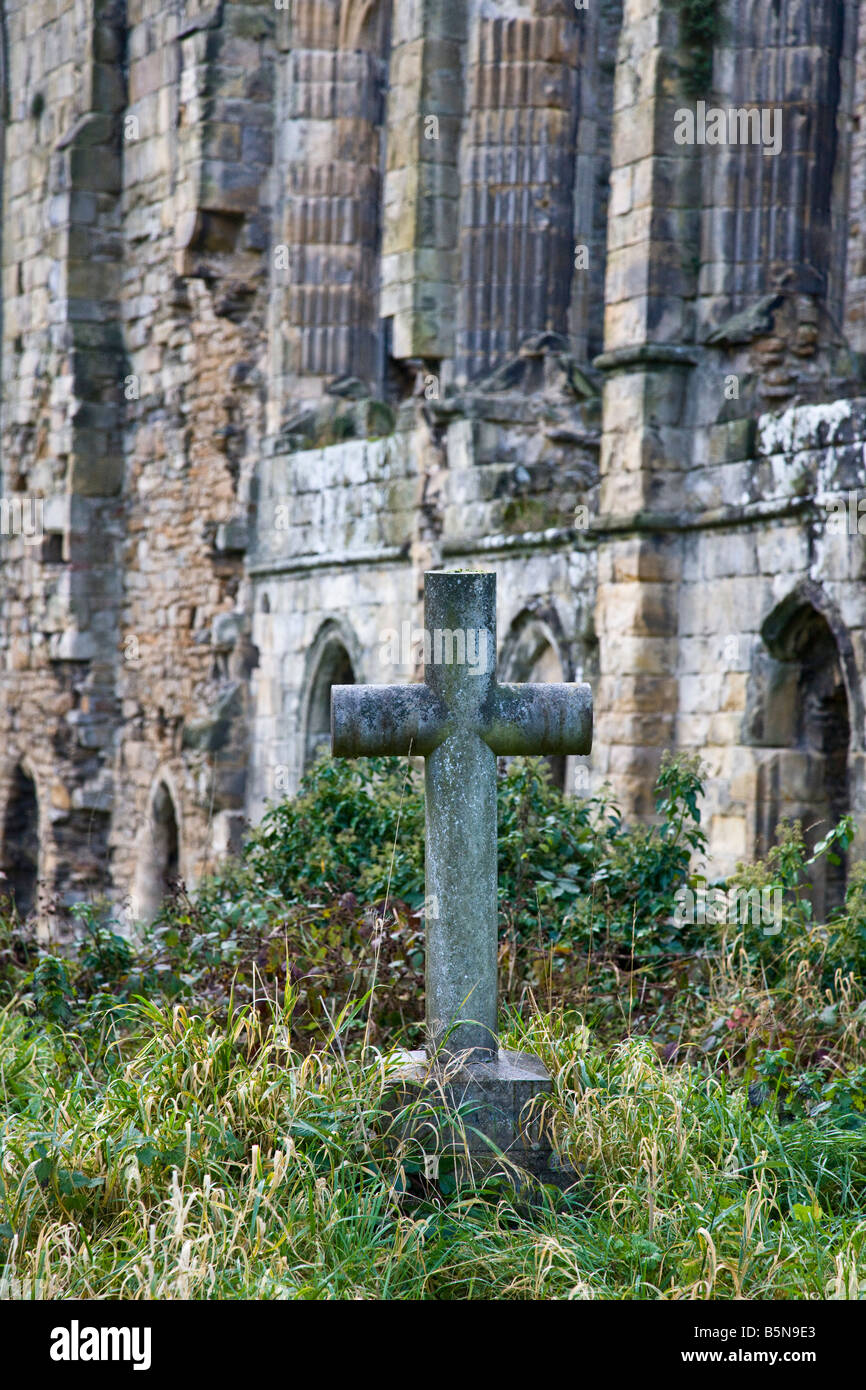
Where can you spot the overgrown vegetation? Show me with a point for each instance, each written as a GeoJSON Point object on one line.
{"type": "Point", "coordinates": [202, 1114]}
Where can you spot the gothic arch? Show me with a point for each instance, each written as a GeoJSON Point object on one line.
{"type": "Point", "coordinates": [536, 630]}
{"type": "Point", "coordinates": [361, 24]}
{"type": "Point", "coordinates": [517, 215]}
{"type": "Point", "coordinates": [535, 649]}
{"type": "Point", "coordinates": [779, 626]}
{"type": "Point", "coordinates": [159, 865]}
{"type": "Point", "coordinates": [767, 219]}
{"type": "Point", "coordinates": [332, 214]}
{"type": "Point", "coordinates": [804, 711]}
{"type": "Point", "coordinates": [20, 845]}
{"type": "Point", "coordinates": [333, 660]}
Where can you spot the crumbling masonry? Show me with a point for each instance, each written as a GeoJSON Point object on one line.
{"type": "Point", "coordinates": [302, 299]}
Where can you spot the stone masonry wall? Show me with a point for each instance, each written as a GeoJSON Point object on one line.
{"type": "Point", "coordinates": [302, 300]}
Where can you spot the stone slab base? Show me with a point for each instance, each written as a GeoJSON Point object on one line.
{"type": "Point", "coordinates": [486, 1116]}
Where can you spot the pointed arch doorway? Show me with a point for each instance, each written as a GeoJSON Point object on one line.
{"type": "Point", "coordinates": [801, 717]}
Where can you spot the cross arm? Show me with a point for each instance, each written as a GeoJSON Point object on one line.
{"type": "Point", "coordinates": [537, 719]}
{"type": "Point", "coordinates": [371, 720]}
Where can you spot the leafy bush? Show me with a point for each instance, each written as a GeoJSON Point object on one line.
{"type": "Point", "coordinates": [837, 1098]}
{"type": "Point", "coordinates": [353, 827]}
{"type": "Point", "coordinates": [838, 943]}
{"type": "Point", "coordinates": [325, 906]}
{"type": "Point", "coordinates": [567, 865]}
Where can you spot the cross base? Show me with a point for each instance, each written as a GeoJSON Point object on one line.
{"type": "Point", "coordinates": [467, 1112]}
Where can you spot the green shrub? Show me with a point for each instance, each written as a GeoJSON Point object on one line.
{"type": "Point", "coordinates": [797, 935]}
{"type": "Point", "coordinates": [348, 824]}
{"type": "Point", "coordinates": [325, 905]}
{"type": "Point", "coordinates": [359, 827]}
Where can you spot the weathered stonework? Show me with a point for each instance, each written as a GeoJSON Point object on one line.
{"type": "Point", "coordinates": [299, 302]}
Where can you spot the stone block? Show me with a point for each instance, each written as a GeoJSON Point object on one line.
{"type": "Point", "coordinates": [94, 169]}
{"type": "Point", "coordinates": [478, 1114]}
{"type": "Point", "coordinates": [73, 645]}
{"type": "Point", "coordinates": [228, 187]}
{"type": "Point", "coordinates": [652, 558]}
{"type": "Point", "coordinates": [95, 470]}
{"type": "Point", "coordinates": [729, 837]}
{"type": "Point", "coordinates": [232, 537]}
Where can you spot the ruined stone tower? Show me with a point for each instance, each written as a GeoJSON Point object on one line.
{"type": "Point", "coordinates": [302, 299]}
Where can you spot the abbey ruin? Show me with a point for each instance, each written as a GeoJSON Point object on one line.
{"type": "Point", "coordinates": [301, 300]}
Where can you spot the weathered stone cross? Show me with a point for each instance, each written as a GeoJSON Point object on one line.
{"type": "Point", "coordinates": [459, 721]}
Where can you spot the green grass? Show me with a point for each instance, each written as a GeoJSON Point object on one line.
{"type": "Point", "coordinates": [212, 1162]}
{"type": "Point", "coordinates": [205, 1114]}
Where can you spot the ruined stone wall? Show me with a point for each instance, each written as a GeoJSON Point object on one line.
{"type": "Point", "coordinates": [62, 359]}
{"type": "Point", "coordinates": [301, 301]}
{"type": "Point", "coordinates": [478, 439]}
{"type": "Point", "coordinates": [137, 154]}
{"type": "Point", "coordinates": [780, 557]}
{"type": "Point", "coordinates": [731, 408]}
{"type": "Point", "coordinates": [197, 217]}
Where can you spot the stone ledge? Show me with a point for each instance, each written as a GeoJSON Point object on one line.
{"type": "Point", "coordinates": [646, 355]}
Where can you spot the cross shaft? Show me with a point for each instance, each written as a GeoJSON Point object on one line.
{"type": "Point", "coordinates": [460, 720]}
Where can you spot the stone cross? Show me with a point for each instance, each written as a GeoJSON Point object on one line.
{"type": "Point", "coordinates": [460, 720]}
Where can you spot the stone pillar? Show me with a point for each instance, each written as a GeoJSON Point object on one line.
{"type": "Point", "coordinates": [422, 183]}
{"type": "Point", "coordinates": [651, 277]}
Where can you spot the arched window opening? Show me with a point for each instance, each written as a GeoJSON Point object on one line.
{"type": "Point", "coordinates": [531, 654]}
{"type": "Point", "coordinates": [166, 839]}
{"type": "Point", "coordinates": [21, 843]}
{"type": "Point", "coordinates": [768, 222]}
{"type": "Point", "coordinates": [800, 707]}
{"type": "Point", "coordinates": [517, 235]}
{"type": "Point", "coordinates": [334, 668]}
{"type": "Point", "coordinates": [332, 216]}
{"type": "Point", "coordinates": [159, 866]}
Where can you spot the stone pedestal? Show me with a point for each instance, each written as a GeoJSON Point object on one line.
{"type": "Point", "coordinates": [478, 1114]}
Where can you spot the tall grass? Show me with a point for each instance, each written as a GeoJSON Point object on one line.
{"type": "Point", "coordinates": [215, 1162]}
{"type": "Point", "coordinates": [208, 1113]}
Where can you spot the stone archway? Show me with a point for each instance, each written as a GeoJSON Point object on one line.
{"type": "Point", "coordinates": [158, 869]}
{"type": "Point", "coordinates": [20, 850]}
{"type": "Point", "coordinates": [800, 715]}
{"type": "Point", "coordinates": [364, 24]}
{"type": "Point", "coordinates": [532, 651]}
{"type": "Point", "coordinates": [333, 667]}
